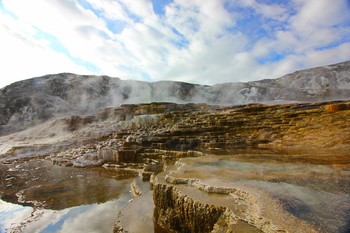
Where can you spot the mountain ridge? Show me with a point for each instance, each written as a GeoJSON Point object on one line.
{"type": "Point", "coordinates": [35, 100]}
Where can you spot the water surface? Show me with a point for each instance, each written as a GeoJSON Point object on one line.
{"type": "Point", "coordinates": [314, 187]}
{"type": "Point", "coordinates": [37, 196]}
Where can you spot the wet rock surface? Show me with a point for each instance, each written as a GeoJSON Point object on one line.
{"type": "Point", "coordinates": [275, 196]}
{"type": "Point", "coordinates": [253, 168]}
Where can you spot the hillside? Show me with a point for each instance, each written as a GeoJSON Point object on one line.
{"type": "Point", "coordinates": [35, 100]}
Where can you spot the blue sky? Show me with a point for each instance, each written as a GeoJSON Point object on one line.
{"type": "Point", "coordinates": [205, 42]}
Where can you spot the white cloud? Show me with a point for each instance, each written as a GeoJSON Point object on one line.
{"type": "Point", "coordinates": [310, 59]}
{"type": "Point", "coordinates": [141, 8]}
{"type": "Point", "coordinates": [24, 57]}
{"type": "Point", "coordinates": [326, 56]}
{"type": "Point", "coordinates": [193, 41]}
{"type": "Point", "coordinates": [206, 42]}
{"type": "Point", "coordinates": [306, 40]}
{"type": "Point", "coordinates": [79, 30]}
{"type": "Point", "coordinates": [271, 11]}
{"type": "Point", "coordinates": [111, 9]}
{"type": "Point", "coordinates": [316, 23]}
{"type": "Point", "coordinates": [319, 14]}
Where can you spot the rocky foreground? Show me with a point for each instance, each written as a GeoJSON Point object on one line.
{"type": "Point", "coordinates": [242, 160]}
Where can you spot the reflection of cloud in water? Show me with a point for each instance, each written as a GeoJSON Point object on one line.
{"type": "Point", "coordinates": [11, 215]}
{"type": "Point", "coordinates": [49, 218]}
{"type": "Point", "coordinates": [98, 218]}
{"type": "Point", "coordinates": [93, 218]}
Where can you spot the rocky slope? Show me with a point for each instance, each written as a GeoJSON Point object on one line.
{"type": "Point", "coordinates": [29, 102]}
{"type": "Point", "coordinates": [146, 128]}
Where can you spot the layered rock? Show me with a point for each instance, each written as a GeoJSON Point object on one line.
{"type": "Point", "coordinates": [174, 131]}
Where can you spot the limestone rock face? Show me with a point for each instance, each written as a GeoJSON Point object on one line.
{"type": "Point", "coordinates": [179, 213]}
{"type": "Point", "coordinates": [32, 101]}
{"type": "Point", "coordinates": [117, 155]}
{"type": "Point", "coordinates": [337, 107]}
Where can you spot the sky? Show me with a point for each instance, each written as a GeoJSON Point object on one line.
{"type": "Point", "coordinates": [196, 41]}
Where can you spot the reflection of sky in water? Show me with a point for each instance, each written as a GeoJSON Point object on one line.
{"type": "Point", "coordinates": [318, 194]}
{"type": "Point", "coordinates": [215, 163]}
{"type": "Point", "coordinates": [86, 218]}
{"type": "Point", "coordinates": [11, 213]}
{"type": "Point", "coordinates": [330, 211]}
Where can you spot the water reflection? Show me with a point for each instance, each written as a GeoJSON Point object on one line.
{"type": "Point", "coordinates": [86, 218]}
{"type": "Point", "coordinates": [39, 183]}
{"type": "Point", "coordinates": [49, 198]}
{"type": "Point", "coordinates": [314, 190]}
{"type": "Point", "coordinates": [312, 187]}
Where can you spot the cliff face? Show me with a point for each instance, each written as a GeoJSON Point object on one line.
{"type": "Point", "coordinates": [180, 213]}
{"type": "Point", "coordinates": [29, 102]}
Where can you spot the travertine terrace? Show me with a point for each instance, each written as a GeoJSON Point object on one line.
{"type": "Point", "coordinates": [150, 138]}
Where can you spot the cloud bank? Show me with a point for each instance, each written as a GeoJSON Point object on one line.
{"type": "Point", "coordinates": [206, 42]}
